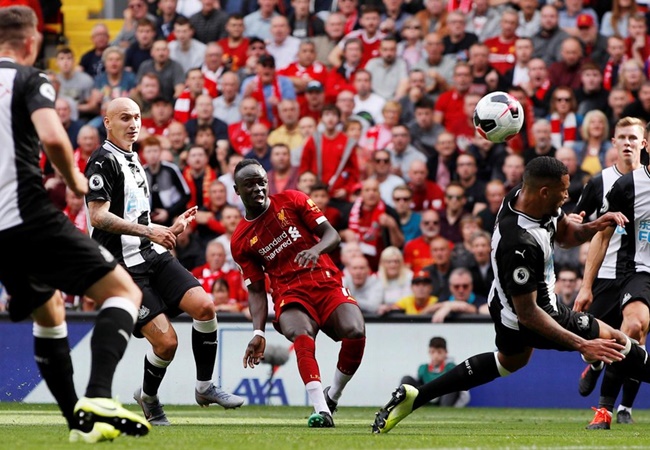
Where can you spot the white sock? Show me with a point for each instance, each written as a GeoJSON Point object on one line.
{"type": "Point", "coordinates": [339, 383]}
{"type": "Point", "coordinates": [203, 386]}
{"type": "Point", "coordinates": [624, 408]}
{"type": "Point", "coordinates": [316, 397]}
{"type": "Point", "coordinates": [598, 366]}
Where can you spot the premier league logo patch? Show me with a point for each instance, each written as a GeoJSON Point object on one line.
{"type": "Point", "coordinates": [96, 182]}
{"type": "Point", "coordinates": [521, 275]}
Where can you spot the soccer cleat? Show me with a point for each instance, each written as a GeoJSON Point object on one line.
{"type": "Point", "coordinates": [399, 406]}
{"type": "Point", "coordinates": [100, 432]}
{"type": "Point", "coordinates": [602, 419]}
{"type": "Point", "coordinates": [331, 404]}
{"type": "Point", "coordinates": [153, 411]}
{"type": "Point", "coordinates": [624, 416]}
{"type": "Point", "coordinates": [321, 419]}
{"type": "Point", "coordinates": [588, 380]}
{"type": "Point", "coordinates": [218, 396]}
{"type": "Point", "coordinates": [111, 412]}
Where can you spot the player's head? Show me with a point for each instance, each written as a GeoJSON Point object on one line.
{"type": "Point", "coordinates": [629, 140]}
{"type": "Point", "coordinates": [547, 180]}
{"type": "Point", "coordinates": [18, 33]}
{"type": "Point", "coordinates": [122, 122]}
{"type": "Point", "coordinates": [437, 350]}
{"type": "Point", "coordinates": [251, 184]}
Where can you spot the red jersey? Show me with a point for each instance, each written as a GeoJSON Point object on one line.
{"type": "Point", "coordinates": [370, 46]}
{"type": "Point", "coordinates": [235, 284]}
{"type": "Point", "coordinates": [270, 243]}
{"type": "Point", "coordinates": [337, 82]}
{"type": "Point", "coordinates": [502, 54]}
{"type": "Point", "coordinates": [417, 254]}
{"type": "Point", "coordinates": [431, 196]}
{"type": "Point", "coordinates": [316, 72]}
{"type": "Point", "coordinates": [240, 137]}
{"type": "Point", "coordinates": [452, 105]}
{"type": "Point", "coordinates": [158, 130]}
{"type": "Point", "coordinates": [235, 56]}
{"type": "Point", "coordinates": [184, 107]}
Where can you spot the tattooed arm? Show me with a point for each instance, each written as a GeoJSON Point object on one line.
{"type": "Point", "coordinates": [570, 233]}
{"type": "Point", "coordinates": [103, 219]}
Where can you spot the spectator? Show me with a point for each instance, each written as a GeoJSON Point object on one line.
{"type": "Point", "coordinates": [518, 75]}
{"type": "Point", "coordinates": [169, 191]}
{"type": "Point", "coordinates": [281, 176]}
{"type": "Point", "coordinates": [568, 17]}
{"type": "Point", "coordinates": [409, 220]}
{"type": "Point", "coordinates": [449, 107]}
{"type": "Point", "coordinates": [632, 77]}
{"type": "Point", "coordinates": [369, 34]}
{"type": "Point", "coordinates": [146, 91]}
{"type": "Point", "coordinates": [372, 224]}
{"type": "Point", "coordinates": [438, 365]}
{"type": "Point", "coordinates": [494, 194]}
{"type": "Point", "coordinates": [205, 116]}
{"type": "Point", "coordinates": [387, 71]}
{"type": "Point", "coordinates": [282, 46]}
{"type": "Point", "coordinates": [403, 154]}
{"type": "Point", "coordinates": [466, 131]}
{"type": "Point", "coordinates": [230, 218]}
{"type": "Point", "coordinates": [341, 77]}
{"type": "Point", "coordinates": [364, 286]}
{"type": "Point", "coordinates": [482, 272]}
{"type": "Point", "coordinates": [564, 120]}
{"type": "Point", "coordinates": [208, 218]}
{"type": "Point", "coordinates": [198, 176]}
{"type": "Point", "coordinates": [228, 180]}
{"type": "Point", "coordinates": [450, 218]}
{"type": "Point", "coordinates": [221, 297]}
{"type": "Point", "coordinates": [349, 9]}
{"type": "Point", "coordinates": [427, 194]}
{"type": "Point", "coordinates": [64, 110]}
{"type": "Point", "coordinates": [616, 21]}
{"type": "Point", "coordinates": [577, 177]}
{"type": "Point", "coordinates": [423, 130]}
{"type": "Point", "coordinates": [433, 18]}
{"type": "Point", "coordinates": [75, 84]}
{"type": "Point", "coordinates": [209, 24]}
{"type": "Point", "coordinates": [489, 158]}
{"type": "Point", "coordinates": [260, 150]}
{"type": "Point", "coordinates": [75, 210]}
{"type": "Point", "coordinates": [140, 51]}
{"type": "Point", "coordinates": [595, 142]}
{"type": "Point", "coordinates": [213, 68]}
{"type": "Point", "coordinates": [339, 168]}
{"type": "Point", "coordinates": [410, 92]}
{"type": "Point", "coordinates": [167, 16]}
{"type": "Point", "coordinates": [135, 11]}
{"type": "Point", "coordinates": [458, 41]}
{"type": "Point", "coordinates": [639, 108]}
{"type": "Point", "coordinates": [205, 138]}
{"type": "Point", "coordinates": [393, 17]}
{"type": "Point", "coordinates": [567, 286]}
{"type": "Point", "coordinates": [411, 48]}
{"type": "Point", "coordinates": [594, 44]}
{"type": "Point", "coordinates": [380, 136]}
{"type": "Point", "coordinates": [169, 72]}
{"type": "Point", "coordinates": [185, 50]}
{"type": "Point", "coordinates": [305, 70]}
{"type": "Point", "coordinates": [591, 95]}
{"type": "Point", "coordinates": [114, 82]}
{"type": "Point", "coordinates": [303, 24]}
{"type": "Point", "coordinates": [502, 55]}
{"type": "Point", "coordinates": [612, 68]}
{"type": "Point", "coordinates": [179, 143]}
{"type": "Point", "coordinates": [314, 100]}
{"type": "Point", "coordinates": [325, 43]}
{"type": "Point", "coordinates": [566, 71]}
{"type": "Point", "coordinates": [513, 170]}
{"type": "Point", "coordinates": [461, 255]}
{"type": "Point", "coordinates": [226, 105]}
{"type": "Point", "coordinates": [365, 100]}
{"type": "Point", "coordinates": [394, 276]}
{"type": "Point", "coordinates": [530, 19]}
{"type": "Point", "coordinates": [484, 77]}
{"type": "Point", "coordinates": [321, 197]}
{"type": "Point", "coordinates": [258, 23]}
{"type": "Point", "coordinates": [91, 61]}
{"type": "Point", "coordinates": [87, 143]}
{"type": "Point", "coordinates": [466, 170]}
{"type": "Point", "coordinates": [440, 269]}
{"type": "Point", "coordinates": [442, 165]}
{"type": "Point", "coordinates": [288, 133]}
{"type": "Point", "coordinates": [184, 107]}
{"type": "Point", "coordinates": [215, 268]}
{"type": "Point", "coordinates": [306, 181]}
{"type": "Point", "coordinates": [382, 173]}
{"type": "Point", "coordinates": [419, 300]}
{"type": "Point", "coordinates": [463, 300]}
{"type": "Point", "coordinates": [417, 252]}
{"type": "Point", "coordinates": [256, 49]}
{"type": "Point", "coordinates": [544, 146]}
{"type": "Point", "coordinates": [438, 67]}
{"type": "Point", "coordinates": [234, 45]}
{"type": "Point", "coordinates": [549, 38]}
{"type": "Point", "coordinates": [483, 20]}
{"type": "Point", "coordinates": [538, 88]}
{"type": "Point", "coordinates": [160, 118]}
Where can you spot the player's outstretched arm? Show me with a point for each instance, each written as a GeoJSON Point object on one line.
{"type": "Point", "coordinates": [571, 234]}
{"type": "Point", "coordinates": [103, 219]}
{"type": "Point", "coordinates": [329, 240]}
{"type": "Point", "coordinates": [259, 310]}
{"type": "Point", "coordinates": [595, 256]}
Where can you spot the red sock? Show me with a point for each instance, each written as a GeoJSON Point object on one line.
{"type": "Point", "coordinates": [350, 355]}
{"type": "Point", "coordinates": [305, 348]}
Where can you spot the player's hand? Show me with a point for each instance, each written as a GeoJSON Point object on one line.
{"type": "Point", "coordinates": [583, 300]}
{"type": "Point", "coordinates": [78, 183]}
{"type": "Point", "coordinates": [606, 350]}
{"type": "Point", "coordinates": [576, 218]}
{"type": "Point", "coordinates": [254, 351]}
{"type": "Point", "coordinates": [184, 220]}
{"type": "Point", "coordinates": [163, 236]}
{"type": "Point", "coordinates": [610, 219]}
{"type": "Point", "coordinates": [307, 258]}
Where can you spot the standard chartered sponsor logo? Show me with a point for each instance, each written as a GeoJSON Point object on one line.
{"type": "Point", "coordinates": [278, 244]}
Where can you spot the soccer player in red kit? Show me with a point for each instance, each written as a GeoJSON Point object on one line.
{"type": "Point", "coordinates": [287, 237]}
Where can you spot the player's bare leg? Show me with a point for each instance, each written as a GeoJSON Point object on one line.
{"type": "Point", "coordinates": [297, 326]}
{"type": "Point", "coordinates": [347, 325]}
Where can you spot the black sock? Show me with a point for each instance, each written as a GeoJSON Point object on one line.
{"type": "Point", "coordinates": [153, 376]}
{"type": "Point", "coordinates": [204, 347]}
{"type": "Point", "coordinates": [630, 390]}
{"type": "Point", "coordinates": [612, 382]}
{"type": "Point", "coordinates": [636, 364]}
{"type": "Point", "coordinates": [113, 328]}
{"type": "Point", "coordinates": [53, 359]}
{"type": "Point", "coordinates": [475, 371]}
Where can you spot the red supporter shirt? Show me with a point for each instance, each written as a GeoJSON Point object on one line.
{"type": "Point", "coordinates": [332, 153]}
{"type": "Point", "coordinates": [270, 243]}
{"type": "Point", "coordinates": [417, 253]}
{"type": "Point", "coordinates": [235, 55]}
{"type": "Point", "coordinates": [184, 107]}
{"type": "Point", "coordinates": [151, 127]}
{"type": "Point", "coordinates": [452, 105]}
{"type": "Point", "coordinates": [316, 71]}
{"type": "Point", "coordinates": [502, 54]}
{"type": "Point", "coordinates": [207, 277]}
{"type": "Point", "coordinates": [370, 46]}
{"type": "Point", "coordinates": [432, 196]}
{"type": "Point", "coordinates": [239, 137]}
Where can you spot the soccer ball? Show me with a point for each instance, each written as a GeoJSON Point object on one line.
{"type": "Point", "coordinates": [498, 116]}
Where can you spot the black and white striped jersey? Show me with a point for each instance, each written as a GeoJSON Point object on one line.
{"type": "Point", "coordinates": [630, 194]}
{"type": "Point", "coordinates": [522, 258]}
{"type": "Point", "coordinates": [117, 176]}
{"type": "Point", "coordinates": [23, 90]}
{"type": "Point", "coordinates": [591, 201]}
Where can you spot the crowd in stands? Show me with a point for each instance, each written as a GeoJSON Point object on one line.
{"type": "Point", "coordinates": [367, 107]}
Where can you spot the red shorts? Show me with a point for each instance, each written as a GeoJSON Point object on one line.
{"type": "Point", "coordinates": [319, 301]}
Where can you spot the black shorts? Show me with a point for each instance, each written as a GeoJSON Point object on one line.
{"type": "Point", "coordinates": [38, 258]}
{"type": "Point", "coordinates": [606, 305]}
{"type": "Point", "coordinates": [513, 342]}
{"type": "Point", "coordinates": [164, 282]}
{"type": "Point", "coordinates": [635, 288]}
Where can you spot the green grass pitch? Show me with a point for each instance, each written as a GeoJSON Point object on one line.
{"type": "Point", "coordinates": [28, 426]}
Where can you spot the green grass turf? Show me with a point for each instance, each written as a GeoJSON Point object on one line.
{"type": "Point", "coordinates": [24, 427]}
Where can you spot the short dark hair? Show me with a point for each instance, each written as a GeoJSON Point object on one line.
{"type": "Point", "coordinates": [438, 342]}
{"type": "Point", "coordinates": [424, 103]}
{"type": "Point", "coordinates": [319, 186]}
{"type": "Point", "coordinates": [235, 16]}
{"type": "Point", "coordinates": [245, 163]}
{"type": "Point", "coordinates": [331, 108]}
{"type": "Point", "coordinates": [64, 51]}
{"type": "Point", "coordinates": [16, 24]}
{"type": "Point", "coordinates": [544, 168]}
{"type": "Point", "coordinates": [182, 20]}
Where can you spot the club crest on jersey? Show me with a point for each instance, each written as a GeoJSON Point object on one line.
{"type": "Point", "coordinates": [521, 275]}
{"type": "Point", "coordinates": [144, 312]}
{"type": "Point", "coordinates": [96, 182]}
{"type": "Point", "coordinates": [254, 240]}
{"type": "Point", "coordinates": [282, 217]}
{"type": "Point", "coordinates": [583, 322]}
{"type": "Point", "coordinates": [313, 206]}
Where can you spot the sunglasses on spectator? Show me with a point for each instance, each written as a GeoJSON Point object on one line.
{"type": "Point", "coordinates": [382, 160]}
{"type": "Point", "coordinates": [563, 99]}
{"type": "Point", "coordinates": [454, 197]}
{"type": "Point", "coordinates": [460, 286]}
{"type": "Point", "coordinates": [402, 199]}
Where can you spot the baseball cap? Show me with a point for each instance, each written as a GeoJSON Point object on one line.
{"type": "Point", "coordinates": [420, 276]}
{"type": "Point", "coordinates": [584, 21]}
{"type": "Point", "coordinates": [314, 86]}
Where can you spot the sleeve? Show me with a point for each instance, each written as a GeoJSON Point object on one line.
{"type": "Point", "coordinates": [179, 206]}
{"type": "Point", "coordinates": [39, 93]}
{"type": "Point", "coordinates": [307, 209]}
{"type": "Point", "coordinates": [307, 162]}
{"type": "Point", "coordinates": [103, 175]}
{"type": "Point", "coordinates": [617, 198]}
{"type": "Point", "coordinates": [521, 264]}
{"type": "Point", "coordinates": [588, 201]}
{"type": "Point", "coordinates": [178, 75]}
{"type": "Point", "coordinates": [250, 269]}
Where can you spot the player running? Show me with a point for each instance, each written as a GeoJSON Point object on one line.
{"type": "Point", "coordinates": [286, 236]}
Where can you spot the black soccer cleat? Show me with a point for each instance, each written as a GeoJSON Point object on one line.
{"type": "Point", "coordinates": [331, 404]}
{"type": "Point", "coordinates": [625, 417]}
{"type": "Point", "coordinates": [588, 380]}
